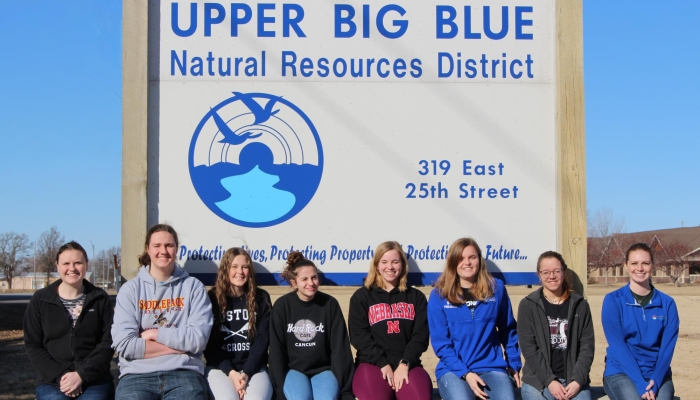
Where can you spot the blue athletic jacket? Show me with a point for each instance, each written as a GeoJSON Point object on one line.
{"type": "Point", "coordinates": [466, 343]}
{"type": "Point", "coordinates": [640, 339]}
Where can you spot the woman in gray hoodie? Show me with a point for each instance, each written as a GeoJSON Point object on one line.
{"type": "Point", "coordinates": [556, 337]}
{"type": "Point", "coordinates": [162, 322]}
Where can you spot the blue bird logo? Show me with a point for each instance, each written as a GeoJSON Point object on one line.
{"type": "Point", "coordinates": [230, 136]}
{"type": "Point", "coordinates": [261, 114]}
{"type": "Point", "coordinates": [255, 159]}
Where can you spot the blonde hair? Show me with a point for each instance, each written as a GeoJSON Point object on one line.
{"type": "Point", "coordinates": [374, 278]}
{"type": "Point", "coordinates": [448, 283]}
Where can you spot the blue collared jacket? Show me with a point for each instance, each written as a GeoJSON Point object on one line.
{"type": "Point", "coordinates": [474, 343]}
{"type": "Point", "coordinates": [640, 339]}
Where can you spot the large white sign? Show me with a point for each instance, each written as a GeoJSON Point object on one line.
{"type": "Point", "coordinates": [331, 126]}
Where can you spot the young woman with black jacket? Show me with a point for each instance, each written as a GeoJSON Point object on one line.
{"type": "Point", "coordinates": [556, 336]}
{"type": "Point", "coordinates": [236, 353]}
{"type": "Point", "coordinates": [388, 325]}
{"type": "Point", "coordinates": [310, 354]}
{"type": "Point", "coordinates": [67, 335]}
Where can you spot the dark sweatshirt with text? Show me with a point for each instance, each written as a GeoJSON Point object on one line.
{"type": "Point", "coordinates": [229, 347]}
{"type": "Point", "coordinates": [309, 337]}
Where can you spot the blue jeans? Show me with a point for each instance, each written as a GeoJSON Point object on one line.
{"type": "Point", "coordinates": [528, 392]}
{"type": "Point", "coordinates": [621, 387]}
{"type": "Point", "coordinates": [498, 386]}
{"type": "Point", "coordinates": [101, 389]}
{"type": "Point", "coordinates": [178, 384]}
{"type": "Point", "coordinates": [322, 386]}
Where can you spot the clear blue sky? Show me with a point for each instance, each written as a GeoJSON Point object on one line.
{"type": "Point", "coordinates": [60, 115]}
{"type": "Point", "coordinates": [642, 86]}
{"type": "Point", "coordinates": [60, 119]}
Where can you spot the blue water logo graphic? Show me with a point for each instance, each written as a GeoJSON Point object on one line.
{"type": "Point", "coordinates": [255, 159]}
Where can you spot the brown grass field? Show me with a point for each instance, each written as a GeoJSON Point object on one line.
{"type": "Point", "coordinates": [17, 375]}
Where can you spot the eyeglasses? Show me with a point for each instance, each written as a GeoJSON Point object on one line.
{"type": "Point", "coordinates": [556, 272]}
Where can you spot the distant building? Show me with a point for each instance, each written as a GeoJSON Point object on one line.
{"type": "Point", "coordinates": [30, 281]}
{"type": "Point", "coordinates": [694, 259]}
{"type": "Point", "coordinates": [676, 255]}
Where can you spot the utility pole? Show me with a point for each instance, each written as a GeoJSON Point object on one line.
{"type": "Point", "coordinates": [34, 277]}
{"type": "Point", "coordinates": [117, 276]}
{"type": "Point", "coordinates": [93, 259]}
{"type": "Point", "coordinates": [93, 254]}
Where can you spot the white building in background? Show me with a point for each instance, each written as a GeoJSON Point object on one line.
{"type": "Point", "coordinates": [30, 281]}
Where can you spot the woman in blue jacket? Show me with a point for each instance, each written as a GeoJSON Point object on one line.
{"type": "Point", "coordinates": [641, 327]}
{"type": "Point", "coordinates": [471, 323]}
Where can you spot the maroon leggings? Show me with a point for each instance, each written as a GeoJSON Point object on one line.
{"type": "Point", "coordinates": [369, 385]}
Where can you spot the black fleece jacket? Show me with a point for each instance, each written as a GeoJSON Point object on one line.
{"type": "Point", "coordinates": [309, 337]}
{"type": "Point", "coordinates": [534, 338]}
{"type": "Point", "coordinates": [386, 327]}
{"type": "Point", "coordinates": [55, 347]}
{"type": "Point", "coordinates": [229, 347]}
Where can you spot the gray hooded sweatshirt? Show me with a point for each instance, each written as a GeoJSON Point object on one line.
{"type": "Point", "coordinates": [179, 308]}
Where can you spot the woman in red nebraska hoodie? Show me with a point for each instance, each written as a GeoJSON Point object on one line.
{"type": "Point", "coordinates": [388, 324]}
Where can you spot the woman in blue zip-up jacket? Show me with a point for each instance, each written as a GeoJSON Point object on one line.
{"type": "Point", "coordinates": [641, 327]}
{"type": "Point", "coordinates": [471, 322]}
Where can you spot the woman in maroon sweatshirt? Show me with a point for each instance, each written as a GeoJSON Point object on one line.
{"type": "Point", "coordinates": [388, 325]}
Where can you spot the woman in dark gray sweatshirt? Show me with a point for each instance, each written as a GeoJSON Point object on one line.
{"type": "Point", "coordinates": [556, 336]}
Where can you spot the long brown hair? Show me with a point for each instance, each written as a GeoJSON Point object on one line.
{"type": "Point", "coordinates": [566, 281]}
{"type": "Point", "coordinates": [223, 285]}
{"type": "Point", "coordinates": [374, 278]}
{"type": "Point", "coordinates": [144, 258]}
{"type": "Point", "coordinates": [448, 283]}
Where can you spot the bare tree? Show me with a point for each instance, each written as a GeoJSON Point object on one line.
{"type": "Point", "coordinates": [604, 223]}
{"type": "Point", "coordinates": [13, 254]}
{"type": "Point", "coordinates": [115, 251]}
{"type": "Point", "coordinates": [603, 247]}
{"type": "Point", "coordinates": [103, 265]}
{"type": "Point", "coordinates": [595, 249]}
{"type": "Point", "coordinates": [47, 246]}
{"type": "Point", "coordinates": [669, 257]}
